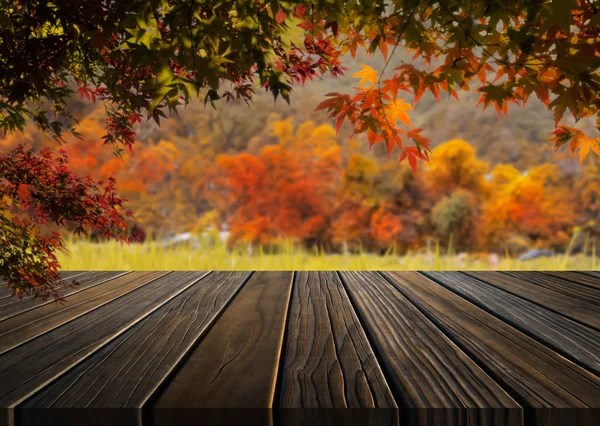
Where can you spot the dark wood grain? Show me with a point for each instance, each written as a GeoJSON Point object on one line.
{"type": "Point", "coordinates": [572, 339]}
{"type": "Point", "coordinates": [592, 273]}
{"type": "Point", "coordinates": [230, 377]}
{"type": "Point", "coordinates": [51, 355]}
{"type": "Point", "coordinates": [328, 360]}
{"type": "Point", "coordinates": [323, 349]}
{"type": "Point", "coordinates": [570, 307]}
{"type": "Point", "coordinates": [126, 372]}
{"type": "Point", "coordinates": [533, 373]}
{"type": "Point", "coordinates": [426, 369]}
{"type": "Point", "coordinates": [16, 306]}
{"type": "Point", "coordinates": [584, 293]}
{"type": "Point", "coordinates": [7, 296]}
{"type": "Point", "coordinates": [577, 277]}
{"type": "Point", "coordinates": [21, 328]}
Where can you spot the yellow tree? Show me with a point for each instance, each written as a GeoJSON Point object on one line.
{"type": "Point", "coordinates": [453, 165]}
{"type": "Point", "coordinates": [456, 183]}
{"type": "Point", "coordinates": [529, 206]}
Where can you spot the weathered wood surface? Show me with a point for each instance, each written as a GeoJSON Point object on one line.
{"type": "Point", "coordinates": [536, 375]}
{"type": "Point", "coordinates": [15, 306]}
{"type": "Point", "coordinates": [235, 366]}
{"type": "Point", "coordinates": [568, 288]}
{"type": "Point", "coordinates": [575, 341]}
{"type": "Point", "coordinates": [126, 372]}
{"type": "Point", "coordinates": [592, 273]}
{"type": "Point", "coordinates": [21, 328]}
{"type": "Point", "coordinates": [577, 277]}
{"type": "Point", "coordinates": [328, 361]}
{"type": "Point", "coordinates": [305, 349]}
{"type": "Point", "coordinates": [425, 367]}
{"type": "Point", "coordinates": [6, 292]}
{"type": "Point", "coordinates": [562, 304]}
{"type": "Point", "coordinates": [49, 356]}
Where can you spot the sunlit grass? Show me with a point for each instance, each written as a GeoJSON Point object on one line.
{"type": "Point", "coordinates": [85, 255]}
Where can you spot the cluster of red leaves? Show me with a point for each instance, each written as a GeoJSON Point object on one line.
{"type": "Point", "coordinates": [376, 111]}
{"type": "Point", "coordinates": [540, 55]}
{"type": "Point", "coordinates": [301, 64]}
{"type": "Point", "coordinates": [575, 139]}
{"type": "Point", "coordinates": [37, 193]}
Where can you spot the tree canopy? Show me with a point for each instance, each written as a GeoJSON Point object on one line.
{"type": "Point", "coordinates": [143, 58]}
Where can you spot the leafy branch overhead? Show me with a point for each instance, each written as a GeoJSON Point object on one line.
{"type": "Point", "coordinates": [143, 57]}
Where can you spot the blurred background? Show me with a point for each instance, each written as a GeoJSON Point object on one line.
{"type": "Point", "coordinates": [271, 186]}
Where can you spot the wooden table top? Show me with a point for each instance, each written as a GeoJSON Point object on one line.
{"type": "Point", "coordinates": [304, 348]}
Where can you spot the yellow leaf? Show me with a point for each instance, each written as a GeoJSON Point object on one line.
{"type": "Point", "coordinates": [367, 74]}
{"type": "Point", "coordinates": [397, 111]}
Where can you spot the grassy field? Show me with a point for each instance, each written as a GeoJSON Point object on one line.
{"type": "Point", "coordinates": [84, 255]}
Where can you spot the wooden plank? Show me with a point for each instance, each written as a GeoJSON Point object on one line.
{"type": "Point", "coordinates": [51, 355]}
{"type": "Point", "coordinates": [230, 377]}
{"type": "Point", "coordinates": [434, 382]}
{"type": "Point", "coordinates": [6, 294]}
{"type": "Point", "coordinates": [86, 281]}
{"type": "Point", "coordinates": [328, 361]}
{"type": "Point", "coordinates": [125, 373]}
{"type": "Point", "coordinates": [21, 328]}
{"type": "Point", "coordinates": [592, 273]}
{"type": "Point", "coordinates": [568, 306]}
{"type": "Point", "coordinates": [577, 277]}
{"type": "Point", "coordinates": [573, 340]}
{"type": "Point", "coordinates": [5, 291]}
{"type": "Point", "coordinates": [540, 378]}
{"type": "Point", "coordinates": [581, 292]}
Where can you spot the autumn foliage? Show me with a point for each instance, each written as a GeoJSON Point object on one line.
{"type": "Point", "coordinates": [317, 198]}
{"type": "Point", "coordinates": [38, 194]}
{"type": "Point", "coordinates": [298, 181]}
{"type": "Point", "coordinates": [143, 59]}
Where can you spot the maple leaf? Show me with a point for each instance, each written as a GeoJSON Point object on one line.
{"type": "Point", "coordinates": [412, 154]}
{"type": "Point", "coordinates": [482, 73]}
{"type": "Point", "coordinates": [280, 17]}
{"type": "Point", "coordinates": [586, 144]}
{"type": "Point", "coordinates": [542, 94]}
{"type": "Point", "coordinates": [397, 111]}
{"type": "Point", "coordinates": [367, 75]}
{"type": "Point", "coordinates": [549, 76]}
{"type": "Point", "coordinates": [496, 95]}
{"type": "Point", "coordinates": [561, 136]}
{"type": "Point", "coordinates": [420, 89]}
{"type": "Point", "coordinates": [373, 138]}
{"type": "Point", "coordinates": [420, 140]}
{"type": "Point", "coordinates": [334, 104]}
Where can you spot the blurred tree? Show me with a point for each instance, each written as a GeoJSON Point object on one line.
{"type": "Point", "coordinates": [456, 219]}
{"type": "Point", "coordinates": [529, 206]}
{"type": "Point", "coordinates": [587, 188]}
{"type": "Point", "coordinates": [285, 192]}
{"type": "Point", "coordinates": [356, 198]}
{"type": "Point", "coordinates": [454, 165]}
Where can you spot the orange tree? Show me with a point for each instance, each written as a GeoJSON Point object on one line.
{"type": "Point", "coordinates": [142, 57]}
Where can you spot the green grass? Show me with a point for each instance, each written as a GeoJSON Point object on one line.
{"type": "Point", "coordinates": [85, 255]}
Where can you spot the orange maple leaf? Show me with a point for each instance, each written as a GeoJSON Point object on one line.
{"type": "Point", "coordinates": [367, 75]}
{"type": "Point", "coordinates": [586, 144]}
{"type": "Point", "coordinates": [397, 111]}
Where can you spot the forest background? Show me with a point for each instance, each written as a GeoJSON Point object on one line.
{"type": "Point", "coordinates": [270, 175]}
